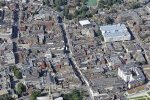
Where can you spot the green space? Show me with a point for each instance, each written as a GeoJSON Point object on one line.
{"type": "Point", "coordinates": [20, 89]}
{"type": "Point", "coordinates": [34, 95]}
{"type": "Point", "coordinates": [92, 2]}
{"type": "Point", "coordinates": [74, 95]}
{"type": "Point", "coordinates": [140, 98]}
{"type": "Point", "coordinates": [17, 72]}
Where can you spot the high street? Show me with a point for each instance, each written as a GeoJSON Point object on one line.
{"type": "Point", "coordinates": [72, 60]}
{"type": "Point", "coordinates": [15, 31]}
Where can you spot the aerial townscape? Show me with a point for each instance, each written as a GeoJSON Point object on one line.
{"type": "Point", "coordinates": [74, 49]}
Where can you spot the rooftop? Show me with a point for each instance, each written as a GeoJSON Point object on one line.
{"type": "Point", "coordinates": [84, 22]}
{"type": "Point", "coordinates": [3, 92]}
{"type": "Point", "coordinates": [114, 30]}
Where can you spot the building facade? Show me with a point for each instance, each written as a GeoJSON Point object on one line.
{"type": "Point", "coordinates": [132, 75]}
{"type": "Point", "coordinates": [113, 33]}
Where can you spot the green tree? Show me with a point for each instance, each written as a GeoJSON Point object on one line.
{"type": "Point", "coordinates": [66, 12]}
{"type": "Point", "coordinates": [34, 95]}
{"type": "Point", "coordinates": [75, 95]}
{"type": "Point", "coordinates": [58, 2]}
{"type": "Point", "coordinates": [76, 13]}
{"type": "Point", "coordinates": [84, 8]}
{"type": "Point", "coordinates": [108, 3]}
{"type": "Point", "coordinates": [109, 20]}
{"type": "Point", "coordinates": [113, 10]}
{"type": "Point", "coordinates": [101, 3]}
{"type": "Point", "coordinates": [7, 97]}
{"type": "Point", "coordinates": [17, 73]}
{"type": "Point", "coordinates": [70, 16]}
{"type": "Point", "coordinates": [20, 88]}
{"type": "Point", "coordinates": [134, 5]}
{"type": "Point", "coordinates": [2, 3]}
{"type": "Point", "coordinates": [88, 14]}
{"type": "Point", "coordinates": [64, 2]}
{"type": "Point", "coordinates": [58, 8]}
{"type": "Point", "coordinates": [46, 2]}
{"type": "Point", "coordinates": [77, 2]}
{"type": "Point", "coordinates": [84, 1]}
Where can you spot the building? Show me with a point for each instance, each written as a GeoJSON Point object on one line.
{"type": "Point", "coordinates": [84, 22]}
{"type": "Point", "coordinates": [4, 93]}
{"type": "Point", "coordinates": [117, 32]}
{"type": "Point", "coordinates": [48, 54]}
{"type": "Point", "coordinates": [88, 32]}
{"type": "Point", "coordinates": [148, 8]}
{"type": "Point", "coordinates": [132, 47]}
{"type": "Point", "coordinates": [131, 74]}
{"type": "Point", "coordinates": [114, 61]}
{"type": "Point", "coordinates": [43, 98]}
{"type": "Point", "coordinates": [9, 57]}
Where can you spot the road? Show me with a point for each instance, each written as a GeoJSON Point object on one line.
{"type": "Point", "coordinates": [15, 31]}
{"type": "Point", "coordinates": [72, 60]}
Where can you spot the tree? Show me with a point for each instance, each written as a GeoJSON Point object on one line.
{"type": "Point", "coordinates": [109, 20]}
{"type": "Point", "coordinates": [69, 17]}
{"type": "Point", "coordinates": [84, 8]}
{"type": "Point", "coordinates": [60, 2]}
{"type": "Point", "coordinates": [134, 5]}
{"type": "Point", "coordinates": [88, 14]}
{"type": "Point", "coordinates": [108, 3]}
{"type": "Point", "coordinates": [58, 8]}
{"type": "Point", "coordinates": [7, 97]}
{"type": "Point", "coordinates": [46, 2]}
{"type": "Point", "coordinates": [75, 95]}
{"type": "Point", "coordinates": [66, 12]}
{"type": "Point", "coordinates": [20, 88]}
{"type": "Point", "coordinates": [34, 95]}
{"type": "Point", "coordinates": [76, 13]}
{"type": "Point", "coordinates": [101, 4]}
{"type": "Point", "coordinates": [64, 2]}
{"type": "Point", "coordinates": [84, 1]}
{"type": "Point", "coordinates": [17, 73]}
{"type": "Point", "coordinates": [99, 34]}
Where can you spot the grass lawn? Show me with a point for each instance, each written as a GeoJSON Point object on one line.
{"type": "Point", "coordinates": [148, 93]}
{"type": "Point", "coordinates": [140, 98]}
{"type": "Point", "coordinates": [92, 2]}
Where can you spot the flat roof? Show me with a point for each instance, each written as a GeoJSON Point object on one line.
{"type": "Point", "coordinates": [2, 92]}
{"type": "Point", "coordinates": [114, 30]}
{"type": "Point", "coordinates": [84, 22]}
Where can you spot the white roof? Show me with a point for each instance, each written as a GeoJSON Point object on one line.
{"type": "Point", "coordinates": [84, 22]}
{"type": "Point", "coordinates": [59, 98]}
{"type": "Point", "coordinates": [43, 98]}
{"type": "Point", "coordinates": [114, 30]}
{"type": "Point", "coordinates": [3, 92]}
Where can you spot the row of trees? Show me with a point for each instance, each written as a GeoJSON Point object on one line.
{"type": "Point", "coordinates": [21, 88]}
{"type": "Point", "coordinates": [6, 97]}
{"type": "Point", "coordinates": [108, 3]}
{"type": "Point", "coordinates": [80, 13]}
{"type": "Point", "coordinates": [134, 5]}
